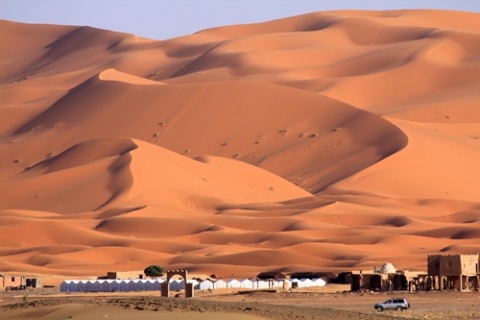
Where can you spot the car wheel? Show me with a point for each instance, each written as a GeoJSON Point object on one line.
{"type": "Point", "coordinates": [380, 309]}
{"type": "Point", "coordinates": [399, 308]}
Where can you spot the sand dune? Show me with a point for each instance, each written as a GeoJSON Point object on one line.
{"type": "Point", "coordinates": [327, 141]}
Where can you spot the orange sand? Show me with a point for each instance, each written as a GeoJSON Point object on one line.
{"type": "Point", "coordinates": [327, 141]}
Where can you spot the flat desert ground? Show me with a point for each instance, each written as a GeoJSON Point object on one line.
{"type": "Point", "coordinates": [326, 303]}
{"type": "Point", "coordinates": [328, 141]}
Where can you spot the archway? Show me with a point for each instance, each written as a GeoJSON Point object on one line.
{"type": "Point", "coordinates": [170, 275]}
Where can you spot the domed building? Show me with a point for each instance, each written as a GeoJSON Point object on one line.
{"type": "Point", "coordinates": [388, 268]}
{"type": "Point", "coordinates": [387, 278]}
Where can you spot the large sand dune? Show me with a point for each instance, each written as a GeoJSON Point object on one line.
{"type": "Point", "coordinates": [326, 142]}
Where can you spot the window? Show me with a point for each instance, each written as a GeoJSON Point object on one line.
{"type": "Point", "coordinates": [449, 264]}
{"type": "Point", "coordinates": [13, 279]}
{"type": "Point", "coordinates": [437, 265]}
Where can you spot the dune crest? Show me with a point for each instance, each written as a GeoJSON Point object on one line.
{"type": "Point", "coordinates": [328, 141]}
{"type": "Point", "coordinates": [114, 75]}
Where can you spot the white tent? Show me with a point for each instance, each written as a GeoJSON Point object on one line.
{"type": "Point", "coordinates": [124, 285]}
{"type": "Point", "coordinates": [89, 286]}
{"type": "Point", "coordinates": [135, 285]}
{"type": "Point", "coordinates": [261, 284]}
{"type": "Point", "coordinates": [82, 286]}
{"type": "Point", "coordinates": [76, 286]}
{"type": "Point", "coordinates": [233, 283]}
{"type": "Point", "coordinates": [65, 286]}
{"type": "Point", "coordinates": [203, 285]}
{"type": "Point", "coordinates": [104, 285]}
{"type": "Point", "coordinates": [219, 284]}
{"type": "Point", "coordinates": [319, 282]}
{"type": "Point", "coordinates": [177, 284]}
{"type": "Point", "coordinates": [107, 285]}
{"type": "Point", "coordinates": [71, 285]}
{"type": "Point", "coordinates": [97, 285]}
{"type": "Point", "coordinates": [306, 283]}
{"type": "Point", "coordinates": [152, 284]}
{"type": "Point", "coordinates": [246, 283]}
{"type": "Point", "coordinates": [115, 285]}
{"type": "Point", "coordinates": [148, 285]}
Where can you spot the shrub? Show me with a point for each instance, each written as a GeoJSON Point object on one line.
{"type": "Point", "coordinates": [153, 271]}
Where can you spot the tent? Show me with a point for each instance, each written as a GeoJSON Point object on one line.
{"type": "Point", "coordinates": [97, 285]}
{"type": "Point", "coordinates": [124, 285]}
{"type": "Point", "coordinates": [115, 285]}
{"type": "Point", "coordinates": [233, 283]}
{"type": "Point", "coordinates": [177, 284]}
{"type": "Point", "coordinates": [319, 282]}
{"type": "Point", "coordinates": [246, 283]}
{"type": "Point", "coordinates": [203, 285]}
{"type": "Point", "coordinates": [219, 284]}
{"type": "Point", "coordinates": [65, 286]}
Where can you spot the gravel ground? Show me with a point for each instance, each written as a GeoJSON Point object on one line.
{"type": "Point", "coordinates": [273, 305]}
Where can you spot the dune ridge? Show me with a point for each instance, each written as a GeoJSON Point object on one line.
{"type": "Point", "coordinates": [328, 141]}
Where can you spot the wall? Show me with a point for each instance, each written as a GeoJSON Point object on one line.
{"type": "Point", "coordinates": [450, 265]}
{"type": "Point", "coordinates": [433, 264]}
{"type": "Point", "coordinates": [453, 264]}
{"type": "Point", "coordinates": [470, 264]}
{"type": "Point", "coordinates": [13, 281]}
{"type": "Point", "coordinates": [126, 275]}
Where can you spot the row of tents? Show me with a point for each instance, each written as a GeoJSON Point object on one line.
{"type": "Point", "coordinates": [125, 285]}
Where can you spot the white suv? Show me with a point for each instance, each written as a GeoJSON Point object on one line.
{"type": "Point", "coordinates": [396, 303]}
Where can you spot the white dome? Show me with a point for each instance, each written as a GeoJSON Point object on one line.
{"type": "Point", "coordinates": [388, 268]}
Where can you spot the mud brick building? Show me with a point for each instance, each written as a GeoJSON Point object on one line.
{"type": "Point", "coordinates": [453, 271]}
{"type": "Point", "coordinates": [385, 279]}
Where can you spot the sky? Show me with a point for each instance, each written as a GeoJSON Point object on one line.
{"type": "Point", "coordinates": [164, 19]}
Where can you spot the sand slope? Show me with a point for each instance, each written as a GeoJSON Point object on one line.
{"type": "Point", "coordinates": [327, 141]}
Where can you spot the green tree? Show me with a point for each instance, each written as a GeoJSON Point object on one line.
{"type": "Point", "coordinates": [153, 271]}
